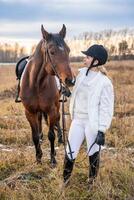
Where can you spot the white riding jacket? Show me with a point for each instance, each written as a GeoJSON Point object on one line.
{"type": "Point", "coordinates": [100, 100]}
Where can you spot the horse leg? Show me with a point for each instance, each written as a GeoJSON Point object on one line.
{"type": "Point", "coordinates": [51, 137]}
{"type": "Point", "coordinates": [33, 120]}
{"type": "Point", "coordinates": [40, 126]}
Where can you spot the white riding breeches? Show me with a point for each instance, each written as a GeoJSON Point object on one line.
{"type": "Point", "coordinates": [79, 130]}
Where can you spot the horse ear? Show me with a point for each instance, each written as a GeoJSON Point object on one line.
{"type": "Point", "coordinates": [63, 31]}
{"type": "Point", "coordinates": [45, 34]}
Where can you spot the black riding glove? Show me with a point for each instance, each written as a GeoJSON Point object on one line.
{"type": "Point", "coordinates": [66, 91]}
{"type": "Point", "coordinates": [100, 139]}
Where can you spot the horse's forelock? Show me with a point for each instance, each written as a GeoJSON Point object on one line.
{"type": "Point", "coordinates": [58, 40]}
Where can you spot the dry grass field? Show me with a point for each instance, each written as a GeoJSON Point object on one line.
{"type": "Point", "coordinates": [22, 179]}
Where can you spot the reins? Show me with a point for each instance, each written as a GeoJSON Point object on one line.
{"type": "Point", "coordinates": [65, 138]}
{"type": "Point", "coordinates": [63, 101]}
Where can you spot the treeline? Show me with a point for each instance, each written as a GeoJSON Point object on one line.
{"type": "Point", "coordinates": [120, 45]}
{"type": "Point", "coordinates": [11, 53]}
{"type": "Point", "coordinates": [116, 57]}
{"type": "Point", "coordinates": [124, 52]}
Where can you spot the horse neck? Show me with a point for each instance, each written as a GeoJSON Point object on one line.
{"type": "Point", "coordinates": [38, 68]}
{"type": "Point", "coordinates": [38, 57]}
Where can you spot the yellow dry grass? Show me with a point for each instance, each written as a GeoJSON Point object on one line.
{"type": "Point", "coordinates": [22, 179]}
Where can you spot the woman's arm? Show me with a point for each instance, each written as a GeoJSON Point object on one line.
{"type": "Point", "coordinates": [106, 107]}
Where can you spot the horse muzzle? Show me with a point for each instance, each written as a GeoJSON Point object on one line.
{"type": "Point", "coordinates": [70, 82]}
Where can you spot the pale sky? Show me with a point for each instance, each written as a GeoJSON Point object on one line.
{"type": "Point", "coordinates": [20, 20]}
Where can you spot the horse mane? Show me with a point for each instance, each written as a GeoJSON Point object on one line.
{"type": "Point", "coordinates": [37, 49]}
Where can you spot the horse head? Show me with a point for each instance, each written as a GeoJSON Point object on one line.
{"type": "Point", "coordinates": [56, 55]}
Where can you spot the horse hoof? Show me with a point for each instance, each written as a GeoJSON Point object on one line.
{"type": "Point", "coordinates": [38, 160]}
{"type": "Point", "coordinates": [60, 141]}
{"type": "Point", "coordinates": [40, 141]}
{"type": "Point", "coordinates": [53, 163]}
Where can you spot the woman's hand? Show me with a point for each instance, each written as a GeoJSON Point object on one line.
{"type": "Point", "coordinates": [100, 139]}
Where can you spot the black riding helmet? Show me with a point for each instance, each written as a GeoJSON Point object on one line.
{"type": "Point", "coordinates": [97, 52]}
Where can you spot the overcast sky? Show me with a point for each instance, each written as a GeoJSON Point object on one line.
{"type": "Point", "coordinates": [22, 18]}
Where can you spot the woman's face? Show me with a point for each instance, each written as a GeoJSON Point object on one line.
{"type": "Point", "coordinates": [87, 60]}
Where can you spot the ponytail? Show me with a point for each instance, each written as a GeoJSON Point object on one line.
{"type": "Point", "coordinates": [103, 70]}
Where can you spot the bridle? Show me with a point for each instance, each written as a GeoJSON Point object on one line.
{"type": "Point", "coordinates": [53, 66]}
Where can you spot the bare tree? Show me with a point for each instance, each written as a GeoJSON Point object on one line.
{"type": "Point", "coordinates": [123, 47]}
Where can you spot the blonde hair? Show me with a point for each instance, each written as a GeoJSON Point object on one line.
{"type": "Point", "coordinates": [103, 70]}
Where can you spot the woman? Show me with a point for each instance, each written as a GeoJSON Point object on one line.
{"type": "Point", "coordinates": [91, 109]}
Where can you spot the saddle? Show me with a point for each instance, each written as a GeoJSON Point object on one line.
{"type": "Point", "coordinates": [20, 66]}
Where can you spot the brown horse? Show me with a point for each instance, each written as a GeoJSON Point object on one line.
{"type": "Point", "coordinates": [39, 93]}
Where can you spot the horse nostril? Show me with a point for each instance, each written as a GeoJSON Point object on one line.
{"type": "Point", "coordinates": [66, 81]}
{"type": "Point", "coordinates": [73, 81]}
{"type": "Point", "coordinates": [69, 81]}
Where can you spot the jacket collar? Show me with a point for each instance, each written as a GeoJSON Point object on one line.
{"type": "Point", "coordinates": [93, 79]}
